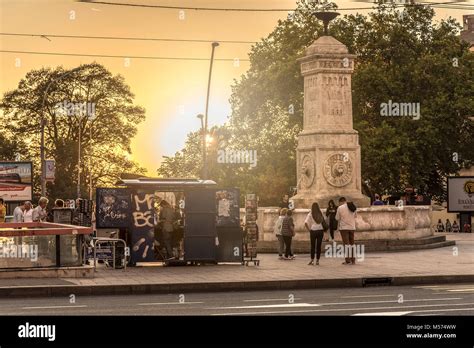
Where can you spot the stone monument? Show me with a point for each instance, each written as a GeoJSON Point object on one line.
{"type": "Point", "coordinates": [328, 152]}
{"type": "Point", "coordinates": [328, 161]}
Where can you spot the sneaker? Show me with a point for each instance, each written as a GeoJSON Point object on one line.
{"type": "Point", "coordinates": [311, 263]}
{"type": "Point", "coordinates": [292, 257]}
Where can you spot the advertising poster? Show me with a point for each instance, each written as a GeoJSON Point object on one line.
{"type": "Point", "coordinates": [228, 209]}
{"type": "Point", "coordinates": [113, 208]}
{"type": "Point", "coordinates": [16, 181]}
{"type": "Point", "coordinates": [461, 194]}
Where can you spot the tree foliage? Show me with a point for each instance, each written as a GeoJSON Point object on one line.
{"type": "Point", "coordinates": [105, 137]}
{"type": "Point", "coordinates": [402, 55]}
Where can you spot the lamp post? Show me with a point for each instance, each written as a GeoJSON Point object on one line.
{"type": "Point", "coordinates": [203, 134]}
{"type": "Point", "coordinates": [204, 154]}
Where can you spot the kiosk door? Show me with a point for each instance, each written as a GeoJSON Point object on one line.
{"type": "Point", "coordinates": [200, 225]}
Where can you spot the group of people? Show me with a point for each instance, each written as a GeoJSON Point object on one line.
{"type": "Point", "coordinates": [454, 227]}
{"type": "Point", "coordinates": [340, 218]}
{"type": "Point", "coordinates": [25, 212]}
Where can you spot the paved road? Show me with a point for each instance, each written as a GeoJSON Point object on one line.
{"type": "Point", "coordinates": [449, 299]}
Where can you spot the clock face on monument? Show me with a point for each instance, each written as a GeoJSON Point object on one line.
{"type": "Point", "coordinates": [337, 169]}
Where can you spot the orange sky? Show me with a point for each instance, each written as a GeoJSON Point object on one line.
{"type": "Point", "coordinates": [173, 92]}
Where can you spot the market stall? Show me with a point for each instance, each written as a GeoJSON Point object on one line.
{"type": "Point", "coordinates": [174, 220]}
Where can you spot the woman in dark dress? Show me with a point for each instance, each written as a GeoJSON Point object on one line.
{"type": "Point", "coordinates": [331, 214]}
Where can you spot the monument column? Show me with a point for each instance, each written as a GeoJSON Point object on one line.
{"type": "Point", "coordinates": [328, 152]}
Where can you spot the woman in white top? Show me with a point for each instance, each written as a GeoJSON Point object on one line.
{"type": "Point", "coordinates": [316, 225]}
{"type": "Point", "coordinates": [28, 213]}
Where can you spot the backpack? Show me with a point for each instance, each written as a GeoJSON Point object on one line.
{"type": "Point", "coordinates": [351, 206]}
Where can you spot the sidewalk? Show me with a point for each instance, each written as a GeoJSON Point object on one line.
{"type": "Point", "coordinates": [431, 266]}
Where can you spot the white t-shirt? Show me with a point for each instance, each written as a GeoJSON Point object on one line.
{"type": "Point", "coordinates": [39, 214]}
{"type": "Point", "coordinates": [346, 218]}
{"type": "Point", "coordinates": [17, 215]}
{"type": "Point", "coordinates": [312, 224]}
{"type": "Point", "coordinates": [28, 216]}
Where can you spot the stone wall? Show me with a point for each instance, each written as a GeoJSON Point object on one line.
{"type": "Point", "coordinates": [386, 222]}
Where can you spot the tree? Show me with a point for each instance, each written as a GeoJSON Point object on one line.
{"type": "Point", "coordinates": [402, 56]}
{"type": "Point", "coordinates": [9, 147]}
{"type": "Point", "coordinates": [106, 129]}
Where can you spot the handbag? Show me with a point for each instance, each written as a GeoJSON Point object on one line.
{"type": "Point", "coordinates": [325, 225]}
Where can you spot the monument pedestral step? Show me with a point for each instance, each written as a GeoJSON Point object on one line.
{"type": "Point", "coordinates": [374, 245]}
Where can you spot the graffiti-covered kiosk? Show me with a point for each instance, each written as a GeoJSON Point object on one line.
{"type": "Point", "coordinates": [173, 220]}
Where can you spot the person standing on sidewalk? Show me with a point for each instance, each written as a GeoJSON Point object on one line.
{"type": "Point", "coordinates": [331, 215]}
{"type": "Point", "coordinates": [467, 228]}
{"type": "Point", "coordinates": [345, 215]}
{"type": "Point", "coordinates": [18, 213]}
{"type": "Point", "coordinates": [455, 227]}
{"type": "Point", "coordinates": [28, 212]}
{"type": "Point", "coordinates": [277, 230]}
{"type": "Point", "coordinates": [288, 232]}
{"type": "Point", "coordinates": [440, 226]}
{"type": "Point", "coordinates": [316, 225]}
{"type": "Point", "coordinates": [40, 213]}
{"type": "Point", "coordinates": [3, 211]}
{"type": "Point", "coordinates": [448, 226]}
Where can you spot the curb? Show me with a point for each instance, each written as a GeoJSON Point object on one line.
{"type": "Point", "coordinates": [140, 289]}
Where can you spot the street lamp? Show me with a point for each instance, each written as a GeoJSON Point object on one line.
{"type": "Point", "coordinates": [204, 165]}
{"type": "Point", "coordinates": [203, 135]}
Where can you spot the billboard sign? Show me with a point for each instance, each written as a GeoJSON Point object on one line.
{"type": "Point", "coordinates": [16, 181]}
{"type": "Point", "coordinates": [461, 194]}
{"type": "Point", "coordinates": [50, 170]}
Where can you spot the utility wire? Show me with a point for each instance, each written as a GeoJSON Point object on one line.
{"type": "Point", "coordinates": [118, 56]}
{"type": "Point", "coordinates": [127, 38]}
{"type": "Point", "coordinates": [168, 7]}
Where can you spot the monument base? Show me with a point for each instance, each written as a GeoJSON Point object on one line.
{"type": "Point", "coordinates": [304, 201]}
{"type": "Point", "coordinates": [373, 223]}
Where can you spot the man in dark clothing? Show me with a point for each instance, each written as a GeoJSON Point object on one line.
{"type": "Point", "coordinates": [285, 202]}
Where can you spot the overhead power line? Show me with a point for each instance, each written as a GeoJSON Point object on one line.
{"type": "Point", "coordinates": [169, 7]}
{"type": "Point", "coordinates": [119, 56]}
{"type": "Point", "coordinates": [444, 5]}
{"type": "Point", "coordinates": [126, 38]}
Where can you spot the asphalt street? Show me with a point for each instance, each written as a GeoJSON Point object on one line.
{"type": "Point", "coordinates": [449, 299]}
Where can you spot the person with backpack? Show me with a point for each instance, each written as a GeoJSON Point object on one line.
{"type": "Point", "coordinates": [316, 225]}
{"type": "Point", "coordinates": [346, 215]}
{"type": "Point", "coordinates": [288, 232]}
{"type": "Point", "coordinates": [277, 230]}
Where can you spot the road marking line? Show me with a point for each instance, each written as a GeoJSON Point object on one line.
{"type": "Point", "coordinates": [166, 303]}
{"type": "Point", "coordinates": [445, 310]}
{"type": "Point", "coordinates": [461, 290]}
{"type": "Point", "coordinates": [395, 301]}
{"type": "Point", "coordinates": [53, 307]}
{"type": "Point", "coordinates": [290, 305]}
{"type": "Point", "coordinates": [271, 299]}
{"type": "Point", "coordinates": [344, 309]}
{"type": "Point", "coordinates": [394, 295]}
{"type": "Point", "coordinates": [286, 305]}
{"type": "Point", "coordinates": [441, 287]}
{"type": "Point", "coordinates": [382, 313]}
